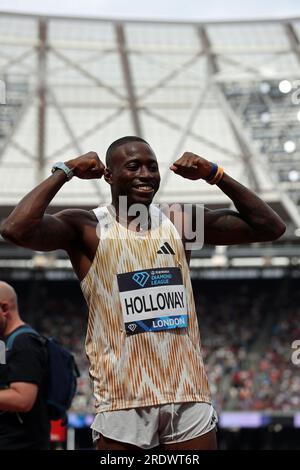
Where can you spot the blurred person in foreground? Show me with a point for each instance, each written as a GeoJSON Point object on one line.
{"type": "Point", "coordinates": [24, 423]}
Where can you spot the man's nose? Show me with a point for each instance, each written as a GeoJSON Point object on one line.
{"type": "Point", "coordinates": [145, 172]}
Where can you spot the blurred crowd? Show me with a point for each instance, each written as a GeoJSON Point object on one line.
{"type": "Point", "coordinates": [247, 330]}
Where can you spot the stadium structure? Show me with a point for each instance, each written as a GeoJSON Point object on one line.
{"type": "Point", "coordinates": [229, 91]}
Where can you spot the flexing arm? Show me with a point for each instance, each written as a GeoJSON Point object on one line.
{"type": "Point", "coordinates": [19, 397]}
{"type": "Point", "coordinates": [29, 226]}
{"type": "Point", "coordinates": [254, 220]}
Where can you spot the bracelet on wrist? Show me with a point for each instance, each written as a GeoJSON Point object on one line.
{"type": "Point", "coordinates": [217, 176]}
{"type": "Point", "coordinates": [213, 172]}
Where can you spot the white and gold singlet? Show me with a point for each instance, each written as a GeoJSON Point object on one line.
{"type": "Point", "coordinates": [143, 340]}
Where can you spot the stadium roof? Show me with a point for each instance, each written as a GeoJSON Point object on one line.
{"type": "Point", "coordinates": [74, 85]}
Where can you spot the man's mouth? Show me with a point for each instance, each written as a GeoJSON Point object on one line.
{"type": "Point", "coordinates": [144, 188]}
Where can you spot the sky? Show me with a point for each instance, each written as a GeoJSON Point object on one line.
{"type": "Point", "coordinates": [184, 10]}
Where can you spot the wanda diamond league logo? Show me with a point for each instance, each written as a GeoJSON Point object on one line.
{"type": "Point", "coordinates": [141, 278]}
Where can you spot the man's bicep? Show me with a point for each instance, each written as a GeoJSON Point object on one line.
{"type": "Point", "coordinates": [226, 227]}
{"type": "Point", "coordinates": [28, 393]}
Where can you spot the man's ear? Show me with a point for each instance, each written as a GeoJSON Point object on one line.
{"type": "Point", "coordinates": [108, 175]}
{"type": "Point", "coordinates": [5, 307]}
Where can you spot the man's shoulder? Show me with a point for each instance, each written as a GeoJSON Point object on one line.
{"type": "Point", "coordinates": [171, 209]}
{"type": "Point", "coordinates": [177, 212]}
{"type": "Point", "coordinates": [28, 340]}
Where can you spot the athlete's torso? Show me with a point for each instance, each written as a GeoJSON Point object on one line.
{"type": "Point", "coordinates": [82, 253]}
{"type": "Point", "coordinates": [145, 368]}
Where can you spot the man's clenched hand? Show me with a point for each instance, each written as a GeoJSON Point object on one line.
{"type": "Point", "coordinates": [192, 166]}
{"type": "Point", "coordinates": [87, 166]}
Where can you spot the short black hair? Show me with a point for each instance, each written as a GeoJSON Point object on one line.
{"type": "Point", "coordinates": [121, 141]}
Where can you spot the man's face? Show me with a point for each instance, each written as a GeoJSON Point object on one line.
{"type": "Point", "coordinates": [134, 173]}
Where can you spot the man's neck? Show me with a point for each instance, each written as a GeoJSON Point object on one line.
{"type": "Point", "coordinates": [13, 326]}
{"type": "Point", "coordinates": [138, 222]}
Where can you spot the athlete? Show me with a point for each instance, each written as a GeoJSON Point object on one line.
{"type": "Point", "coordinates": [143, 340]}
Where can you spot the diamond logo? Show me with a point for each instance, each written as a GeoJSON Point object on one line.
{"type": "Point", "coordinates": [132, 327]}
{"type": "Point", "coordinates": [141, 278]}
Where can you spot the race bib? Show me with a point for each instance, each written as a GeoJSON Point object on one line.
{"type": "Point", "coordinates": [153, 300]}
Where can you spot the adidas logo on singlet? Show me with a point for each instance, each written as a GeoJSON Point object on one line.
{"type": "Point", "coordinates": [166, 249]}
